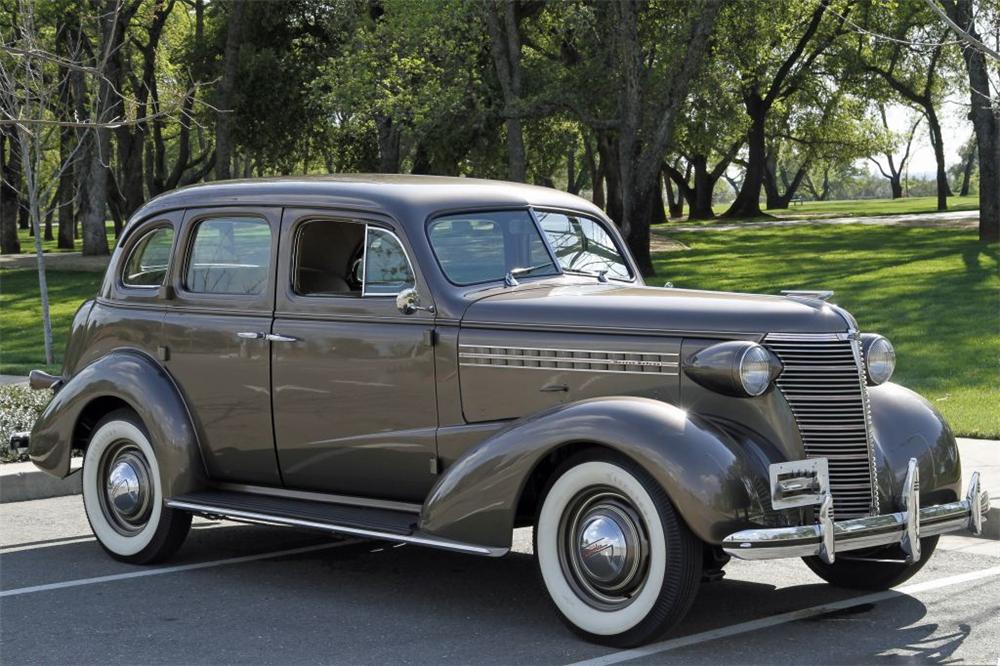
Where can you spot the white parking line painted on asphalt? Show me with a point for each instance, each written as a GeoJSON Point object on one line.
{"type": "Point", "coordinates": [174, 569]}
{"type": "Point", "coordinates": [18, 547]}
{"type": "Point", "coordinates": [784, 618]}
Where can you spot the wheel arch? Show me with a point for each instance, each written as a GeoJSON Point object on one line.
{"type": "Point", "coordinates": [705, 473]}
{"type": "Point", "coordinates": [122, 378]}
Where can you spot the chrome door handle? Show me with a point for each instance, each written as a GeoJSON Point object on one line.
{"type": "Point", "coordinates": [250, 335]}
{"type": "Point", "coordinates": [274, 337]}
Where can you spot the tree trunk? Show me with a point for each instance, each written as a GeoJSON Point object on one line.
{"type": "Point", "coordinates": [937, 142]}
{"type": "Point", "coordinates": [31, 158]}
{"type": "Point", "coordinates": [640, 214]}
{"type": "Point", "coordinates": [95, 205]}
{"type": "Point", "coordinates": [747, 202]}
{"type": "Point", "coordinates": [701, 206]}
{"type": "Point", "coordinates": [985, 121]}
{"type": "Point", "coordinates": [230, 68]}
{"type": "Point", "coordinates": [596, 172]}
{"type": "Point", "coordinates": [970, 162]}
{"type": "Point", "coordinates": [675, 203]}
{"type": "Point", "coordinates": [608, 151]}
{"type": "Point", "coordinates": [10, 183]}
{"type": "Point", "coordinates": [388, 145]}
{"type": "Point", "coordinates": [505, 43]}
{"type": "Point", "coordinates": [657, 211]}
{"type": "Point", "coordinates": [896, 185]}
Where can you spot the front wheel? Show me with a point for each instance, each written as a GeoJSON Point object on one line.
{"type": "Point", "coordinates": [872, 570]}
{"type": "Point", "coordinates": [618, 562]}
{"type": "Point", "coordinates": [122, 494]}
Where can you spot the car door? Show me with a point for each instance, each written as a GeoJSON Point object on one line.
{"type": "Point", "coordinates": [355, 407]}
{"type": "Point", "coordinates": [214, 336]}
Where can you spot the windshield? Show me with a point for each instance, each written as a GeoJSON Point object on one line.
{"type": "Point", "coordinates": [485, 246]}
{"type": "Point", "coordinates": [582, 245]}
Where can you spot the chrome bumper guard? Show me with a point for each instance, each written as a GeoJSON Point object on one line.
{"type": "Point", "coordinates": [827, 538]}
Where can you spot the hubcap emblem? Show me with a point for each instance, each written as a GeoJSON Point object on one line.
{"type": "Point", "coordinates": [125, 490]}
{"type": "Point", "coordinates": [603, 548]}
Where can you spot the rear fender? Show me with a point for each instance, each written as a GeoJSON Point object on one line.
{"type": "Point", "coordinates": [711, 480]}
{"type": "Point", "coordinates": [135, 379]}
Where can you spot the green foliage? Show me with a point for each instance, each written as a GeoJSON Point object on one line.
{"type": "Point", "coordinates": [934, 293]}
{"type": "Point", "coordinates": [20, 407]}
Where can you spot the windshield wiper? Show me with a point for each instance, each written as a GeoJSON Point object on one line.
{"type": "Point", "coordinates": [510, 279]}
{"type": "Point", "coordinates": [602, 276]}
{"type": "Point", "coordinates": [521, 270]}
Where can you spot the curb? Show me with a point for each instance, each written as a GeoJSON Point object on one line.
{"type": "Point", "coordinates": [20, 482]}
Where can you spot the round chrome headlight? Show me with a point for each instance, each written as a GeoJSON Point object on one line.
{"type": "Point", "coordinates": [880, 358]}
{"type": "Point", "coordinates": [738, 367]}
{"type": "Point", "coordinates": [755, 370]}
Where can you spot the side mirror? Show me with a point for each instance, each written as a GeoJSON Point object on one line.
{"type": "Point", "coordinates": [408, 302]}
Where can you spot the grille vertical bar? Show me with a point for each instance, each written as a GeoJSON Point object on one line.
{"type": "Point", "coordinates": [824, 383]}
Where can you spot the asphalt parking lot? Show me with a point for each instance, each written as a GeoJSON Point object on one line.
{"type": "Point", "coordinates": [242, 593]}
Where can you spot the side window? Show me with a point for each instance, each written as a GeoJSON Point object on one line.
{"type": "Point", "coordinates": [147, 263]}
{"type": "Point", "coordinates": [387, 270]}
{"type": "Point", "coordinates": [230, 255]}
{"type": "Point", "coordinates": [328, 258]}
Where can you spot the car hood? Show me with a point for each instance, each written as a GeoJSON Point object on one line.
{"type": "Point", "coordinates": [611, 307]}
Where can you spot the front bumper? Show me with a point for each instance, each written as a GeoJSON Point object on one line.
{"type": "Point", "coordinates": [826, 537]}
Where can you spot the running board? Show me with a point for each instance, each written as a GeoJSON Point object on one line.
{"type": "Point", "coordinates": [364, 522]}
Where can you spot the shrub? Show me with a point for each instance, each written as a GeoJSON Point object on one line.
{"type": "Point", "coordinates": [20, 407]}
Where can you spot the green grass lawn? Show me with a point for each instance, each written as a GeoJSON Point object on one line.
{"type": "Point", "coordinates": [935, 293]}
{"type": "Point", "coordinates": [28, 241]}
{"type": "Point", "coordinates": [21, 339]}
{"type": "Point", "coordinates": [853, 208]}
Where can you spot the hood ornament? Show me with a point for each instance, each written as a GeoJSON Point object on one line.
{"type": "Point", "coordinates": [819, 294]}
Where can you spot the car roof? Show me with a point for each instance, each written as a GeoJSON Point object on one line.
{"type": "Point", "coordinates": [408, 198]}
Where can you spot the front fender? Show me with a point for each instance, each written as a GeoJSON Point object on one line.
{"type": "Point", "coordinates": [710, 478]}
{"type": "Point", "coordinates": [137, 380]}
{"type": "Point", "coordinates": [906, 426]}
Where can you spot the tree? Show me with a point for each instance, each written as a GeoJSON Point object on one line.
{"type": "Point", "coordinates": [653, 76]}
{"type": "Point", "coordinates": [409, 78]}
{"type": "Point", "coordinates": [226, 94]}
{"type": "Point", "coordinates": [708, 139]}
{"type": "Point", "coordinates": [776, 50]}
{"type": "Point", "coordinates": [905, 48]}
{"type": "Point", "coordinates": [985, 106]}
{"type": "Point", "coordinates": [894, 169]}
{"type": "Point", "coordinates": [962, 171]}
{"type": "Point", "coordinates": [503, 18]}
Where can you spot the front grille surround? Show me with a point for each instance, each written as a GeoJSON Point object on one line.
{"type": "Point", "coordinates": [823, 381]}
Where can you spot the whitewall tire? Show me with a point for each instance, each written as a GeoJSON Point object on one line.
{"type": "Point", "coordinates": [123, 496]}
{"type": "Point", "coordinates": [619, 564]}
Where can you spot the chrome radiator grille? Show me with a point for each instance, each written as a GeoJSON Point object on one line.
{"type": "Point", "coordinates": [824, 383]}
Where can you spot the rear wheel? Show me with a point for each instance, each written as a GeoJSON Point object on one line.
{"type": "Point", "coordinates": [619, 564]}
{"type": "Point", "coordinates": [871, 570]}
{"type": "Point", "coordinates": [122, 495]}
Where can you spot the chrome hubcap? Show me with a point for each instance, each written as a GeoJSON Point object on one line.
{"type": "Point", "coordinates": [127, 492]}
{"type": "Point", "coordinates": [604, 548]}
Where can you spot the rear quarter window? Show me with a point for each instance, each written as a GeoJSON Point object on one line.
{"type": "Point", "coordinates": [149, 258]}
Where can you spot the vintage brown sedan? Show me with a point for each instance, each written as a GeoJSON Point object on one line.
{"type": "Point", "coordinates": [438, 361]}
